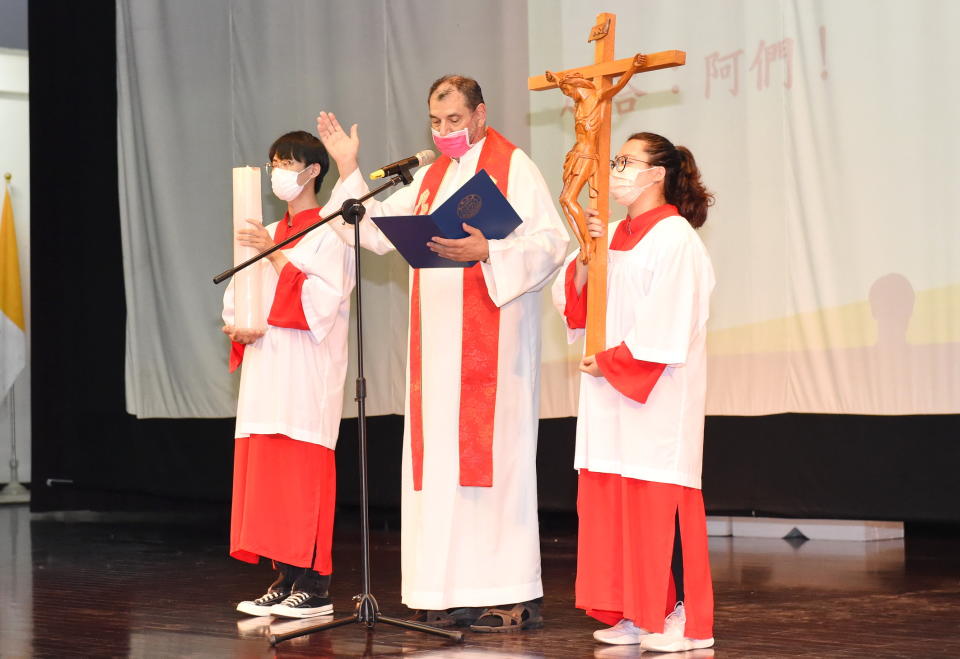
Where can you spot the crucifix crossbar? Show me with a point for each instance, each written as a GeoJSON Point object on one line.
{"type": "Point", "coordinates": [592, 90]}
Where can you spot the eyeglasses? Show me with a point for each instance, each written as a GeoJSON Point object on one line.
{"type": "Point", "coordinates": [620, 162]}
{"type": "Point", "coordinates": [280, 164]}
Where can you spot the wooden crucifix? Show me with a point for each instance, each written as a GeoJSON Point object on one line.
{"type": "Point", "coordinates": [592, 90]}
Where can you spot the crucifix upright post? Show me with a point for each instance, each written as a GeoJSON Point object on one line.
{"type": "Point", "coordinates": [592, 90]}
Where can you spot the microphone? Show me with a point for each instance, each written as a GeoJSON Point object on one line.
{"type": "Point", "coordinates": [425, 157]}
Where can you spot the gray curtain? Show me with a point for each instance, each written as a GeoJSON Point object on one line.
{"type": "Point", "coordinates": [206, 86]}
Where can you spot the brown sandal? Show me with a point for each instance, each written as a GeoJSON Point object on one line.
{"type": "Point", "coordinates": [434, 618]}
{"type": "Point", "coordinates": [525, 615]}
{"type": "Point", "coordinates": [456, 617]}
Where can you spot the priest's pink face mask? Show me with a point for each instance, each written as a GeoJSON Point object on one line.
{"type": "Point", "coordinates": [454, 126]}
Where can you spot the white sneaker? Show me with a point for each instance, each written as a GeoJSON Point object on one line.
{"type": "Point", "coordinates": [303, 605]}
{"type": "Point", "coordinates": [622, 633]}
{"type": "Point", "coordinates": [674, 645]}
{"type": "Point", "coordinates": [672, 638]}
{"type": "Point", "coordinates": [262, 605]}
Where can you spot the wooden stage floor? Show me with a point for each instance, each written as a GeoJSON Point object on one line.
{"type": "Point", "coordinates": [84, 585]}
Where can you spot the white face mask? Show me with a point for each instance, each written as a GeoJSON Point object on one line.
{"type": "Point", "coordinates": [284, 183]}
{"type": "Point", "coordinates": [623, 185]}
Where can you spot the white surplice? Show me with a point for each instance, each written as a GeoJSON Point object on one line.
{"type": "Point", "coordinates": [658, 302]}
{"type": "Point", "coordinates": [475, 546]}
{"type": "Point", "coordinates": [292, 380]}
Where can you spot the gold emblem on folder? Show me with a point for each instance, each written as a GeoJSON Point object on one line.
{"type": "Point", "coordinates": [469, 206]}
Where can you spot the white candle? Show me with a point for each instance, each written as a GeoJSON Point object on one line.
{"type": "Point", "coordinates": [248, 283]}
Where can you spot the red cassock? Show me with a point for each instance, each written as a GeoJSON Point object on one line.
{"type": "Point", "coordinates": [629, 502]}
{"type": "Point", "coordinates": [291, 392]}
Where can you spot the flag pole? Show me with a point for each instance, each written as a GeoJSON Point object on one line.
{"type": "Point", "coordinates": [14, 491]}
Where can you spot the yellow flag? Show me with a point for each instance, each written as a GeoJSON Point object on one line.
{"type": "Point", "coordinates": [13, 339]}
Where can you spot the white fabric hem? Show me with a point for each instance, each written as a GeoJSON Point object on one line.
{"type": "Point", "coordinates": [296, 434]}
{"type": "Point", "coordinates": [488, 269]}
{"type": "Point", "coordinates": [573, 335]}
{"type": "Point", "coordinates": [667, 476]}
{"type": "Point", "coordinates": [653, 355]}
{"type": "Point", "coordinates": [476, 597]}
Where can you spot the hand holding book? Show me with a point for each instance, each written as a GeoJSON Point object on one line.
{"type": "Point", "coordinates": [455, 234]}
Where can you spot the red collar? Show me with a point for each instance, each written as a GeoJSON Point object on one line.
{"type": "Point", "coordinates": [632, 229]}
{"type": "Point", "coordinates": [645, 221]}
{"type": "Point", "coordinates": [287, 226]}
{"type": "Point", "coordinates": [303, 218]}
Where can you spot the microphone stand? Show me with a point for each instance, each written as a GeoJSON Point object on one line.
{"type": "Point", "coordinates": [366, 611]}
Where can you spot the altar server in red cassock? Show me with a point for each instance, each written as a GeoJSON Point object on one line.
{"type": "Point", "coordinates": [291, 392]}
{"type": "Point", "coordinates": [470, 540]}
{"type": "Point", "coordinates": [642, 562]}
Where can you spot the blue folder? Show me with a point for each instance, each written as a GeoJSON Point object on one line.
{"type": "Point", "coordinates": [478, 202]}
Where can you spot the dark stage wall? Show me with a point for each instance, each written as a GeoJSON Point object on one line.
{"type": "Point", "coordinates": [897, 468]}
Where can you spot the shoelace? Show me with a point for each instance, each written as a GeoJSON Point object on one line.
{"type": "Point", "coordinates": [296, 599]}
{"type": "Point", "coordinates": [269, 597]}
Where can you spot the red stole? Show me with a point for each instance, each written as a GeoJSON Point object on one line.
{"type": "Point", "coordinates": [480, 340]}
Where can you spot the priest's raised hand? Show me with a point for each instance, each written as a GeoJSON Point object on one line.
{"type": "Point", "coordinates": [343, 148]}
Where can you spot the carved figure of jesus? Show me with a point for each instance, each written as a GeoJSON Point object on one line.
{"type": "Point", "coordinates": [582, 162]}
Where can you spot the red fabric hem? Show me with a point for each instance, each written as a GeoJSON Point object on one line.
{"type": "Point", "coordinates": [284, 497]}
{"type": "Point", "coordinates": [634, 378]}
{"type": "Point", "coordinates": [236, 355]}
{"type": "Point", "coordinates": [626, 546]}
{"type": "Point", "coordinates": [606, 617]}
{"type": "Point", "coordinates": [287, 308]}
{"type": "Point", "coordinates": [245, 556]}
{"type": "Point", "coordinates": [575, 309]}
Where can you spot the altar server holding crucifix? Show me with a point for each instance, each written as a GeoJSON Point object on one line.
{"type": "Point", "coordinates": [592, 90]}
{"type": "Point", "coordinates": [642, 563]}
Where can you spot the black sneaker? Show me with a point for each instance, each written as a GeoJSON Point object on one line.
{"type": "Point", "coordinates": [303, 605]}
{"type": "Point", "coordinates": [261, 605]}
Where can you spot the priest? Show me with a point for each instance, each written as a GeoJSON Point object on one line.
{"type": "Point", "coordinates": [470, 541]}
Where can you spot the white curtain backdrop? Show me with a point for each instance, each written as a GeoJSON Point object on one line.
{"type": "Point", "coordinates": [826, 130]}
{"type": "Point", "coordinates": [204, 87]}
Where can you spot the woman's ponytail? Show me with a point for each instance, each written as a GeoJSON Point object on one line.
{"type": "Point", "coordinates": [682, 186]}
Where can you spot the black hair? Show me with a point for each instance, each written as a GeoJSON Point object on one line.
{"type": "Point", "coordinates": [303, 147]}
